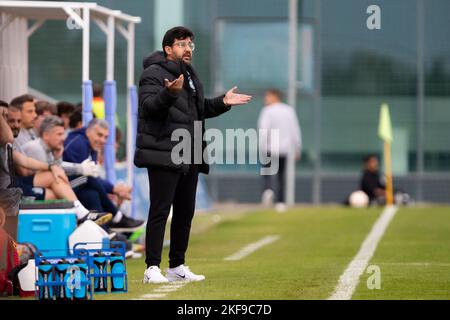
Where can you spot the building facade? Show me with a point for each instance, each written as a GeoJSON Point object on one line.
{"type": "Point", "coordinates": [344, 72]}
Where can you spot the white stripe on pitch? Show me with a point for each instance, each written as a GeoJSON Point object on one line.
{"type": "Point", "coordinates": [249, 249]}
{"type": "Point", "coordinates": [162, 291]}
{"type": "Point", "coordinates": [153, 296]}
{"type": "Point", "coordinates": [165, 290]}
{"type": "Point", "coordinates": [174, 285]}
{"type": "Point", "coordinates": [350, 278]}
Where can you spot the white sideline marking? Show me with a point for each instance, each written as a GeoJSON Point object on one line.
{"type": "Point", "coordinates": [153, 296]}
{"type": "Point", "coordinates": [174, 285]}
{"type": "Point", "coordinates": [252, 247]}
{"type": "Point", "coordinates": [350, 278]}
{"type": "Point", "coordinates": [414, 264]}
{"type": "Point", "coordinates": [162, 291]}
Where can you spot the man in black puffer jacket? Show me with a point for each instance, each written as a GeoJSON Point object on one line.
{"type": "Point", "coordinates": [171, 97]}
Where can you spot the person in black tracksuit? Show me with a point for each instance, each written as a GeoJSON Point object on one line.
{"type": "Point", "coordinates": [371, 182]}
{"type": "Point", "coordinates": [171, 97]}
{"type": "Point", "coordinates": [373, 185]}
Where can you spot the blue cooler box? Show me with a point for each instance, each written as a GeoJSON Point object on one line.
{"type": "Point", "coordinates": [47, 227]}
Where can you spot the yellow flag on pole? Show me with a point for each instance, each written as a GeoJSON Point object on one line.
{"type": "Point", "coordinates": [385, 133]}
{"type": "Point", "coordinates": [385, 127]}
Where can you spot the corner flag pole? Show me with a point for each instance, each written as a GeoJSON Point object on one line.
{"type": "Point", "coordinates": [388, 162]}
{"type": "Point", "coordinates": [385, 133]}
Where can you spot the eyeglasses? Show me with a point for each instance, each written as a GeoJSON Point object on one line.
{"type": "Point", "coordinates": [183, 44]}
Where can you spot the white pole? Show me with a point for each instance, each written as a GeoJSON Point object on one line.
{"type": "Point", "coordinates": [130, 82]}
{"type": "Point", "coordinates": [86, 32]}
{"type": "Point", "coordinates": [292, 93]}
{"type": "Point", "coordinates": [110, 50]}
{"type": "Point", "coordinates": [130, 58]}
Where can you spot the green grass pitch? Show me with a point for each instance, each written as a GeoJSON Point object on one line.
{"type": "Point", "coordinates": [315, 246]}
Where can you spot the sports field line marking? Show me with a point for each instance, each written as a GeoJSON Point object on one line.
{"type": "Point", "coordinates": [414, 264]}
{"type": "Point", "coordinates": [166, 290]}
{"type": "Point", "coordinates": [153, 296]}
{"type": "Point", "coordinates": [174, 285]}
{"type": "Point", "coordinates": [350, 278]}
{"type": "Point", "coordinates": [252, 247]}
{"type": "Point", "coordinates": [162, 291]}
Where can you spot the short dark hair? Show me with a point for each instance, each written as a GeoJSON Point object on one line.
{"type": "Point", "coordinates": [4, 104]}
{"type": "Point", "coordinates": [42, 106]}
{"type": "Point", "coordinates": [176, 33]}
{"type": "Point", "coordinates": [275, 92]}
{"type": "Point", "coordinates": [368, 157]}
{"type": "Point", "coordinates": [65, 107]}
{"type": "Point", "coordinates": [97, 90]}
{"type": "Point", "coordinates": [75, 118]}
{"type": "Point", "coordinates": [18, 102]}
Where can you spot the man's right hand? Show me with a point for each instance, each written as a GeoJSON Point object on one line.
{"type": "Point", "coordinates": [176, 85]}
{"type": "Point", "coordinates": [58, 173]}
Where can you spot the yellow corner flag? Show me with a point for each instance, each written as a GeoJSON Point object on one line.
{"type": "Point", "coordinates": [385, 127]}
{"type": "Point", "coordinates": [385, 133]}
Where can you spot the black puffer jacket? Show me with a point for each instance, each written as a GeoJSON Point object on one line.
{"type": "Point", "coordinates": [161, 112]}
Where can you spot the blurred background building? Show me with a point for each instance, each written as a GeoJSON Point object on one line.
{"type": "Point", "coordinates": [344, 72]}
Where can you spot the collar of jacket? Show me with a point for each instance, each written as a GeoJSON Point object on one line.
{"type": "Point", "coordinates": [174, 67]}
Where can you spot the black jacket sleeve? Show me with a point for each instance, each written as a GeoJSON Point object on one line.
{"type": "Point", "coordinates": [154, 97]}
{"type": "Point", "coordinates": [215, 107]}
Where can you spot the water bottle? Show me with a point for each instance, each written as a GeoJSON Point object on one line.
{"type": "Point", "coordinates": [62, 291]}
{"type": "Point", "coordinates": [45, 270]}
{"type": "Point", "coordinates": [117, 263]}
{"type": "Point", "coordinates": [100, 270]}
{"type": "Point", "coordinates": [80, 287]}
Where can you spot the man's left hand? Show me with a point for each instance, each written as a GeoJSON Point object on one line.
{"type": "Point", "coordinates": [232, 98]}
{"type": "Point", "coordinates": [122, 191]}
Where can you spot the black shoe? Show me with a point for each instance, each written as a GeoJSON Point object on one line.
{"type": "Point", "coordinates": [99, 218]}
{"type": "Point", "coordinates": [127, 224]}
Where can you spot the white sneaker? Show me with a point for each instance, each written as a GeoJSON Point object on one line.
{"type": "Point", "coordinates": [280, 207]}
{"type": "Point", "coordinates": [267, 198]}
{"type": "Point", "coordinates": [182, 273]}
{"type": "Point", "coordinates": [153, 275]}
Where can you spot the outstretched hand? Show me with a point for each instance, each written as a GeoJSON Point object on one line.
{"type": "Point", "coordinates": [232, 98]}
{"type": "Point", "coordinates": [176, 85]}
